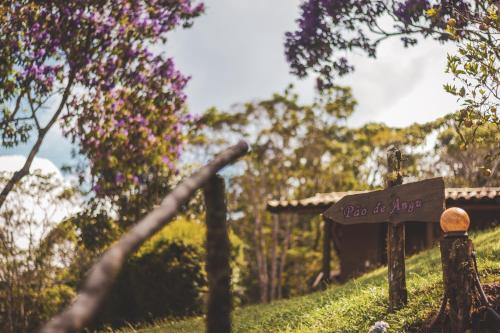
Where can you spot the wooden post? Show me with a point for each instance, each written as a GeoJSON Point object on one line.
{"type": "Point", "coordinates": [458, 272]}
{"type": "Point", "coordinates": [421, 201]}
{"type": "Point", "coordinates": [429, 235]}
{"type": "Point", "coordinates": [218, 254]}
{"type": "Point", "coordinates": [327, 240]}
{"type": "Point", "coordinates": [398, 295]}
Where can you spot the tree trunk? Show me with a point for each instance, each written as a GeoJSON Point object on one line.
{"type": "Point", "coordinates": [284, 250]}
{"type": "Point", "coordinates": [260, 257]}
{"type": "Point", "coordinates": [458, 280]}
{"type": "Point", "coordinates": [274, 257]}
{"type": "Point", "coordinates": [317, 237]}
{"type": "Point", "coordinates": [327, 241]}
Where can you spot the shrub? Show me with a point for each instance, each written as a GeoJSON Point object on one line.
{"type": "Point", "coordinates": [166, 281]}
{"type": "Point", "coordinates": [167, 278]}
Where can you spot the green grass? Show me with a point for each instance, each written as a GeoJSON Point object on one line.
{"type": "Point", "coordinates": [357, 304]}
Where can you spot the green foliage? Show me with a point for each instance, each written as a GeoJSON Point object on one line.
{"type": "Point", "coordinates": [358, 304]}
{"type": "Point", "coordinates": [166, 281]}
{"type": "Point", "coordinates": [302, 257]}
{"type": "Point", "coordinates": [101, 221]}
{"type": "Point", "coordinates": [298, 150]}
{"type": "Point", "coordinates": [191, 232]}
{"type": "Point", "coordinates": [292, 147]}
{"type": "Point", "coordinates": [475, 69]}
{"type": "Point", "coordinates": [168, 276]}
{"type": "Point", "coordinates": [96, 229]}
{"type": "Point", "coordinates": [51, 300]}
{"type": "Point", "coordinates": [475, 165]}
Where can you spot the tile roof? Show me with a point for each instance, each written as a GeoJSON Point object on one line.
{"type": "Point", "coordinates": [479, 193]}
{"type": "Point", "coordinates": [325, 200]}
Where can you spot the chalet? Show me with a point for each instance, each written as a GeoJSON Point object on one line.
{"type": "Point", "coordinates": [362, 247]}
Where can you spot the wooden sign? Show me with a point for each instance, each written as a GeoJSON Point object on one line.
{"type": "Point", "coordinates": [421, 201]}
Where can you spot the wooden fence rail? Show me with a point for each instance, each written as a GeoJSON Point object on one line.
{"type": "Point", "coordinates": [104, 272]}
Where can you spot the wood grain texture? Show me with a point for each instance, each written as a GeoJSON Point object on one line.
{"type": "Point", "coordinates": [458, 280]}
{"type": "Point", "coordinates": [421, 201]}
{"type": "Point", "coordinates": [396, 267]}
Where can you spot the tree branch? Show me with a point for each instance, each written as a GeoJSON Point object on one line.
{"type": "Point", "coordinates": [17, 107]}
{"type": "Point", "coordinates": [33, 113]}
{"type": "Point", "coordinates": [18, 175]}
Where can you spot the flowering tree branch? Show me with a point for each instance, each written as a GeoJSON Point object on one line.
{"type": "Point", "coordinates": [328, 29]}
{"type": "Point", "coordinates": [124, 104]}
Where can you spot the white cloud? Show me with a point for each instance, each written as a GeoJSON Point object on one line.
{"type": "Point", "coordinates": [403, 85]}
{"type": "Point", "coordinates": [37, 210]}
{"type": "Point", "coordinates": [235, 53]}
{"type": "Point", "coordinates": [12, 163]}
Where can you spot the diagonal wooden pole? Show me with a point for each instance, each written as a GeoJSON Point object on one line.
{"type": "Point", "coordinates": [103, 274]}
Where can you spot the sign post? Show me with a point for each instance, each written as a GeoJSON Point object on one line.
{"type": "Point", "coordinates": [421, 201]}
{"type": "Point", "coordinates": [396, 269]}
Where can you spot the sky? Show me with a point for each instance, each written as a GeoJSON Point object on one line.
{"type": "Point", "coordinates": [234, 53]}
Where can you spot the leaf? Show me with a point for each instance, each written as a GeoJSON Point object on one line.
{"type": "Point", "coordinates": [462, 92]}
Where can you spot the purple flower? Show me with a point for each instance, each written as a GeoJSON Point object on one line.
{"type": "Point", "coordinates": [39, 53]}
{"type": "Point", "coordinates": [97, 188]}
{"type": "Point", "coordinates": [165, 159]}
{"type": "Point", "coordinates": [410, 10]}
{"type": "Point", "coordinates": [119, 178]}
{"type": "Point", "coordinates": [108, 46]}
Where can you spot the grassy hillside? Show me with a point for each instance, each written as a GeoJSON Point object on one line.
{"type": "Point", "coordinates": [358, 304]}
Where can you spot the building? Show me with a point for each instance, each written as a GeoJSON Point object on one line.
{"type": "Point", "coordinates": [362, 247]}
